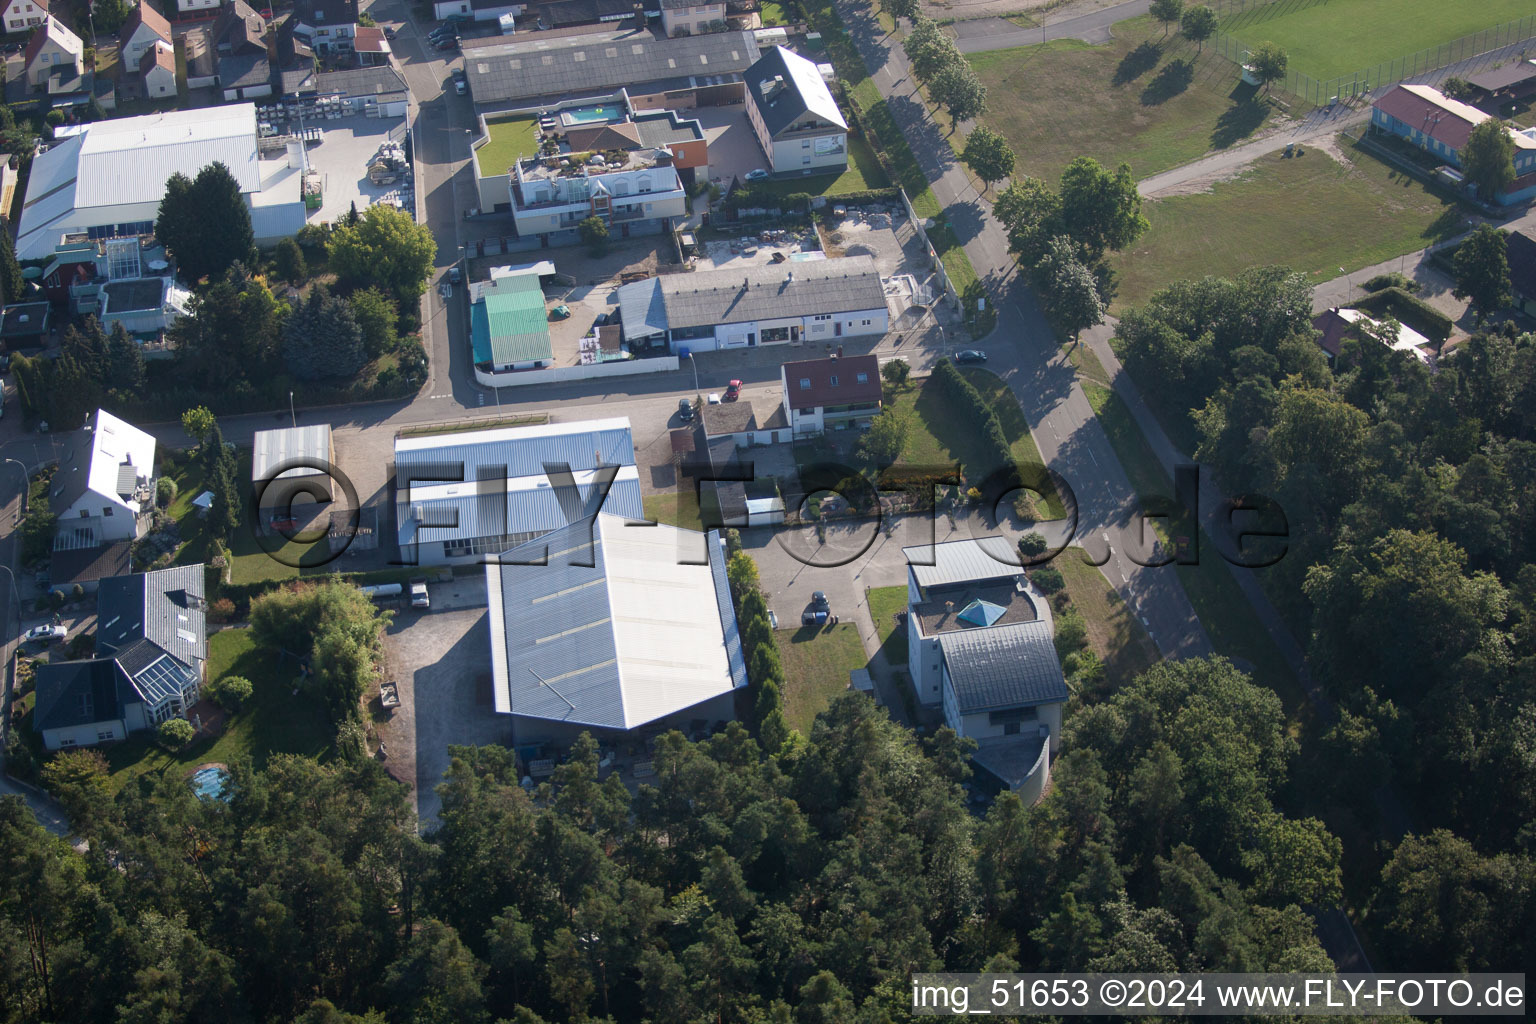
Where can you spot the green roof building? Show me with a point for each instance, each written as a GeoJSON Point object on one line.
{"type": "Point", "coordinates": [508, 327]}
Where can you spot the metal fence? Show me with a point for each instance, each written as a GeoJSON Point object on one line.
{"type": "Point", "coordinates": [933, 255]}
{"type": "Point", "coordinates": [1460, 55]}
{"type": "Point", "coordinates": [1235, 13]}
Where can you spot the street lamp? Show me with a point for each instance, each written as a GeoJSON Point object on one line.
{"type": "Point", "coordinates": [26, 482]}
{"type": "Point", "coordinates": [291, 414]}
{"type": "Point", "coordinates": [15, 596]}
{"type": "Point", "coordinates": [695, 371]}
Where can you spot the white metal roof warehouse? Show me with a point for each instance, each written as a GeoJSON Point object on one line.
{"type": "Point", "coordinates": [601, 625]}
{"type": "Point", "coordinates": [107, 179]}
{"type": "Point", "coordinates": [460, 497]}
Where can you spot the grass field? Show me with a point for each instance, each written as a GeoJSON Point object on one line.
{"type": "Point", "coordinates": [1310, 213]}
{"type": "Point", "coordinates": [276, 721]}
{"type": "Point", "coordinates": [1151, 102]}
{"type": "Point", "coordinates": [864, 172]}
{"type": "Point", "coordinates": [512, 139]}
{"type": "Point", "coordinates": [816, 667]}
{"type": "Point", "coordinates": [1336, 37]}
{"type": "Point", "coordinates": [1224, 611]}
{"type": "Point", "coordinates": [675, 508]}
{"type": "Point", "coordinates": [1114, 633]}
{"type": "Point", "coordinates": [885, 603]}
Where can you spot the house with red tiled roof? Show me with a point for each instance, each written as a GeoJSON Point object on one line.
{"type": "Point", "coordinates": [1439, 125]}
{"type": "Point", "coordinates": [140, 32]}
{"type": "Point", "coordinates": [20, 15]}
{"type": "Point", "coordinates": [52, 46]}
{"type": "Point", "coordinates": [830, 394]}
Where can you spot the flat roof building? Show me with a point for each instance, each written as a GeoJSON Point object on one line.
{"type": "Point", "coordinates": [292, 464]}
{"type": "Point", "coordinates": [460, 497]}
{"type": "Point", "coordinates": [601, 626]}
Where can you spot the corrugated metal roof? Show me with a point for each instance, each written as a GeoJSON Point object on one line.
{"type": "Point", "coordinates": [632, 638]}
{"type": "Point", "coordinates": [508, 323]}
{"type": "Point", "coordinates": [1003, 667]}
{"type": "Point", "coordinates": [165, 607]}
{"type": "Point", "coordinates": [963, 561]}
{"type": "Point", "coordinates": [273, 448]}
{"type": "Point", "coordinates": [524, 509]}
{"type": "Point", "coordinates": [644, 314]}
{"type": "Point", "coordinates": [534, 66]}
{"type": "Point", "coordinates": [712, 297]}
{"type": "Point", "coordinates": [129, 159]}
{"type": "Point", "coordinates": [522, 450]}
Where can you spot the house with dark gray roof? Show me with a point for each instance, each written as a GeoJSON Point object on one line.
{"type": "Point", "coordinates": [792, 111]}
{"type": "Point", "coordinates": [980, 645]}
{"type": "Point", "coordinates": [151, 649]}
{"type": "Point", "coordinates": [329, 25]}
{"type": "Point", "coordinates": [814, 301]}
{"type": "Point", "coordinates": [1521, 250]}
{"type": "Point", "coordinates": [613, 627]}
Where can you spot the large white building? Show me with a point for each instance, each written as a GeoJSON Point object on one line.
{"type": "Point", "coordinates": [107, 179]}
{"type": "Point", "coordinates": [602, 626]}
{"type": "Point", "coordinates": [461, 497]}
{"type": "Point", "coordinates": [785, 303]}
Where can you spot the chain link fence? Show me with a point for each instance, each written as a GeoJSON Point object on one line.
{"type": "Point", "coordinates": [1464, 55]}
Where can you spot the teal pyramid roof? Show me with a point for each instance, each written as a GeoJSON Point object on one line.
{"type": "Point", "coordinates": [982, 613]}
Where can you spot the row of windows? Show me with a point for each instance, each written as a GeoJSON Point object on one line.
{"type": "Point", "coordinates": [833, 381]}
{"type": "Point", "coordinates": [493, 545]}
{"type": "Point", "coordinates": [129, 230]}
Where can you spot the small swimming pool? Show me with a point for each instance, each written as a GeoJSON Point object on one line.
{"type": "Point", "coordinates": [209, 782]}
{"type": "Point", "coordinates": [591, 115]}
{"type": "Point", "coordinates": [807, 257]}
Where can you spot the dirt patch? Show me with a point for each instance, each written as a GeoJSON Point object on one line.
{"type": "Point", "coordinates": [1040, 11]}
{"type": "Point", "coordinates": [1195, 186]}
{"type": "Point", "coordinates": [1330, 144]}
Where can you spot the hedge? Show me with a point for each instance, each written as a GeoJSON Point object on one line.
{"type": "Point", "coordinates": [973, 408]}
{"type": "Point", "coordinates": [1408, 309]}
{"type": "Point", "coordinates": [745, 196]}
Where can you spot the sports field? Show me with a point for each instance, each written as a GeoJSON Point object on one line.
{"type": "Point", "coordinates": [1327, 38]}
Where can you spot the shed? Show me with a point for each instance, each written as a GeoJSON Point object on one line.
{"type": "Point", "coordinates": [24, 325]}
{"type": "Point", "coordinates": [299, 457]}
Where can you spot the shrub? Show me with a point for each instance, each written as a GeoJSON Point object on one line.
{"type": "Point", "coordinates": [1071, 634]}
{"type": "Point", "coordinates": [56, 598]}
{"type": "Point", "coordinates": [1410, 310]}
{"type": "Point", "coordinates": [1047, 581]}
{"type": "Point", "coordinates": [1032, 544]}
{"type": "Point", "coordinates": [221, 610]}
{"type": "Point", "coordinates": [165, 492]}
{"type": "Point", "coordinates": [80, 646]}
{"type": "Point", "coordinates": [1393, 280]}
{"type": "Point", "coordinates": [77, 592]}
{"type": "Point", "coordinates": [174, 734]}
{"type": "Point", "coordinates": [351, 740]}
{"type": "Point", "coordinates": [231, 692]}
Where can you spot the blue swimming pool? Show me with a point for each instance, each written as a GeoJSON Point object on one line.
{"type": "Point", "coordinates": [209, 782]}
{"type": "Point", "coordinates": [592, 115]}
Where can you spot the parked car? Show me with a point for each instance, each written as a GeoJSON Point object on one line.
{"type": "Point", "coordinates": [970, 355]}
{"type": "Point", "coordinates": [460, 88]}
{"type": "Point", "coordinates": [389, 33]}
{"type": "Point", "coordinates": [455, 275]}
{"type": "Point", "coordinates": [458, 74]}
{"type": "Point", "coordinates": [560, 312]}
{"type": "Point", "coordinates": [446, 44]}
{"type": "Point", "coordinates": [46, 633]}
{"type": "Point", "coordinates": [419, 598]}
{"type": "Point", "coordinates": [601, 321]}
{"type": "Point", "coordinates": [733, 391]}
{"type": "Point", "coordinates": [714, 398]}
{"type": "Point", "coordinates": [817, 612]}
{"type": "Point", "coordinates": [757, 175]}
{"type": "Point", "coordinates": [685, 410]}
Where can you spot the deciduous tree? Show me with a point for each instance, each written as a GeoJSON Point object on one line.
{"type": "Point", "coordinates": [385, 246]}
{"type": "Point", "coordinates": [1197, 25]}
{"type": "Point", "coordinates": [1168, 12]}
{"type": "Point", "coordinates": [957, 89]}
{"type": "Point", "coordinates": [1481, 267]}
{"type": "Point", "coordinates": [988, 154]}
{"type": "Point", "coordinates": [1099, 209]}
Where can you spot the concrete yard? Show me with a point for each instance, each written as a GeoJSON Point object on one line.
{"type": "Point", "coordinates": [733, 147]}
{"type": "Point", "coordinates": [441, 661]}
{"type": "Point", "coordinates": [341, 157]}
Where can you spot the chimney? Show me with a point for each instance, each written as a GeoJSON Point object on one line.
{"type": "Point", "coordinates": [790, 276]}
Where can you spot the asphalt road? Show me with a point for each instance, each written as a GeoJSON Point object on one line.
{"type": "Point", "coordinates": [1023, 351]}
{"type": "Point", "coordinates": [1091, 28]}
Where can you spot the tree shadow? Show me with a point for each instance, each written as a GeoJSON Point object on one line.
{"type": "Point", "coordinates": [1237, 122]}
{"type": "Point", "coordinates": [1451, 222]}
{"type": "Point", "coordinates": [1173, 79]}
{"type": "Point", "coordinates": [1137, 63]}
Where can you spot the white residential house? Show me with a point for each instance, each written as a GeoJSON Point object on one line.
{"type": "Point", "coordinates": [150, 660]}
{"type": "Point", "coordinates": [144, 28]}
{"type": "Point", "coordinates": [787, 303]}
{"type": "Point", "coordinates": [20, 15]}
{"type": "Point", "coordinates": [640, 198]}
{"type": "Point", "coordinates": [691, 18]}
{"type": "Point", "coordinates": [329, 25]}
{"type": "Point", "coordinates": [476, 10]}
{"type": "Point", "coordinates": [157, 71]}
{"type": "Point", "coordinates": [104, 489]}
{"type": "Point", "coordinates": [195, 6]}
{"type": "Point", "coordinates": [794, 116]}
{"type": "Point", "coordinates": [980, 645]}
{"type": "Point", "coordinates": [52, 47]}
{"type": "Point", "coordinates": [830, 394]}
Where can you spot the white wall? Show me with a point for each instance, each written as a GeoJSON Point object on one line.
{"type": "Point", "coordinates": [555, 374]}
{"type": "Point", "coordinates": [85, 735]}
{"type": "Point", "coordinates": [799, 155]}
{"type": "Point", "coordinates": [120, 525]}
{"type": "Point", "coordinates": [695, 20]}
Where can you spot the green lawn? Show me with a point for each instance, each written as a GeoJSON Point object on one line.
{"type": "Point", "coordinates": [511, 139]}
{"type": "Point", "coordinates": [1222, 607]}
{"type": "Point", "coordinates": [864, 172]}
{"type": "Point", "coordinates": [1141, 99]}
{"type": "Point", "coordinates": [885, 603]}
{"type": "Point", "coordinates": [1309, 212]}
{"type": "Point", "coordinates": [674, 508]}
{"type": "Point", "coordinates": [1341, 36]}
{"type": "Point", "coordinates": [940, 435]}
{"type": "Point", "coordinates": [276, 721]}
{"type": "Point", "coordinates": [772, 14]}
{"type": "Point", "coordinates": [816, 667]}
{"type": "Point", "coordinates": [1115, 634]}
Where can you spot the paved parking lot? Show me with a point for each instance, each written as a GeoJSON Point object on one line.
{"type": "Point", "coordinates": [733, 147]}
{"type": "Point", "coordinates": [441, 662]}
